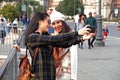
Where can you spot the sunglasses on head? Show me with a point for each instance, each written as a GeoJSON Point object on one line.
{"type": "Point", "coordinates": [49, 21]}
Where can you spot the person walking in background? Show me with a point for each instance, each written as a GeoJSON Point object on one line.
{"type": "Point", "coordinates": [105, 32]}
{"type": "Point", "coordinates": [95, 15]}
{"type": "Point", "coordinates": [8, 24]}
{"type": "Point", "coordinates": [24, 21]}
{"type": "Point", "coordinates": [49, 10]}
{"type": "Point", "coordinates": [80, 25]}
{"type": "Point", "coordinates": [61, 55]}
{"type": "Point", "coordinates": [2, 31]}
{"type": "Point", "coordinates": [92, 22]}
{"type": "Point", "coordinates": [36, 36]}
{"type": "Point", "coordinates": [119, 22]}
{"type": "Point", "coordinates": [118, 28]}
{"type": "Point", "coordinates": [15, 25]}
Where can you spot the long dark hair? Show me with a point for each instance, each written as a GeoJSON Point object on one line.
{"type": "Point", "coordinates": [34, 24]}
{"type": "Point", "coordinates": [80, 16]}
{"type": "Point", "coordinates": [65, 28]}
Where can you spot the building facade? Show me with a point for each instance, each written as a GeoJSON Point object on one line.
{"type": "Point", "coordinates": [89, 5]}
{"type": "Point", "coordinates": [93, 6]}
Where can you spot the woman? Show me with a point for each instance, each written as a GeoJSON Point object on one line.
{"type": "Point", "coordinates": [8, 26]}
{"type": "Point", "coordinates": [36, 36]}
{"type": "Point", "coordinates": [61, 55]}
{"type": "Point", "coordinates": [2, 31]}
{"type": "Point", "coordinates": [15, 25]}
{"type": "Point", "coordinates": [80, 25]}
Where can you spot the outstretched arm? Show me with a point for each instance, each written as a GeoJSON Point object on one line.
{"type": "Point", "coordinates": [42, 40]}
{"type": "Point", "coordinates": [69, 43]}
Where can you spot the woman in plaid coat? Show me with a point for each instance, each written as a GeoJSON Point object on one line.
{"type": "Point", "coordinates": [36, 36]}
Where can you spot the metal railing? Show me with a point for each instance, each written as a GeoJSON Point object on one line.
{"type": "Point", "coordinates": [9, 40]}
{"type": "Point", "coordinates": [9, 70]}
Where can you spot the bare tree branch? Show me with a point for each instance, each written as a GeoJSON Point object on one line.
{"type": "Point", "coordinates": [111, 9]}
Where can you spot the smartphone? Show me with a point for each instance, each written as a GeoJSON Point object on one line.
{"type": "Point", "coordinates": [92, 29]}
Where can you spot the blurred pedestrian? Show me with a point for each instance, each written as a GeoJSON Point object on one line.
{"type": "Point", "coordinates": [36, 36]}
{"type": "Point", "coordinates": [24, 21]}
{"type": "Point", "coordinates": [119, 22]}
{"type": "Point", "coordinates": [92, 22]}
{"type": "Point", "coordinates": [8, 24]}
{"type": "Point", "coordinates": [95, 15]}
{"type": "Point", "coordinates": [62, 55]}
{"type": "Point", "coordinates": [105, 32]}
{"type": "Point", "coordinates": [49, 10]}
{"type": "Point", "coordinates": [15, 25]}
{"type": "Point", "coordinates": [2, 31]}
{"type": "Point", "coordinates": [80, 24]}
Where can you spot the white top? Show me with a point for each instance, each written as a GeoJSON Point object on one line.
{"type": "Point", "coordinates": [76, 18]}
{"type": "Point", "coordinates": [2, 25]}
{"type": "Point", "coordinates": [15, 22]}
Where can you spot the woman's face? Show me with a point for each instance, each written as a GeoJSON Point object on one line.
{"type": "Point", "coordinates": [82, 16]}
{"type": "Point", "coordinates": [44, 24]}
{"type": "Point", "coordinates": [57, 25]}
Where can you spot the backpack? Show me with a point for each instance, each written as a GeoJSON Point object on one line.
{"type": "Point", "coordinates": [24, 66]}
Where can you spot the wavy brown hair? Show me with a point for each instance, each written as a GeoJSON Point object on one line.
{"type": "Point", "coordinates": [66, 28]}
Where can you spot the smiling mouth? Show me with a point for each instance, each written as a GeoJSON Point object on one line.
{"type": "Point", "coordinates": [58, 29]}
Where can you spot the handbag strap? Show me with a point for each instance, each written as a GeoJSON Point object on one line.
{"type": "Point", "coordinates": [35, 53]}
{"type": "Point", "coordinates": [26, 51]}
{"type": "Point", "coordinates": [63, 55]}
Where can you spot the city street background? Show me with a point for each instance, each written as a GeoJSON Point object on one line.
{"type": "Point", "coordinates": [99, 63]}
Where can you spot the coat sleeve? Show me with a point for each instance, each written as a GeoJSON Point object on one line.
{"type": "Point", "coordinates": [43, 40]}
{"type": "Point", "coordinates": [69, 43]}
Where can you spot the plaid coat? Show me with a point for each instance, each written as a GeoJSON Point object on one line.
{"type": "Point", "coordinates": [44, 65]}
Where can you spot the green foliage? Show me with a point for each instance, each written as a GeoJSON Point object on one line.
{"type": "Point", "coordinates": [18, 6]}
{"type": "Point", "coordinates": [35, 4]}
{"type": "Point", "coordinates": [9, 11]}
{"type": "Point", "coordinates": [70, 7]}
{"type": "Point", "coordinates": [13, 11]}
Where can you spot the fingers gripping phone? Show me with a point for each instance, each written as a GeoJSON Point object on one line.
{"type": "Point", "coordinates": [92, 29]}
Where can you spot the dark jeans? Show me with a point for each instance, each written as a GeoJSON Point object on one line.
{"type": "Point", "coordinates": [80, 45]}
{"type": "Point", "coordinates": [8, 29]}
{"type": "Point", "coordinates": [90, 42]}
{"type": "Point", "coordinates": [15, 30]}
{"type": "Point", "coordinates": [2, 40]}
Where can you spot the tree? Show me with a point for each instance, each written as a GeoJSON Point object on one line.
{"type": "Point", "coordinates": [35, 4]}
{"type": "Point", "coordinates": [10, 11]}
{"type": "Point", "coordinates": [111, 9]}
{"type": "Point", "coordinates": [70, 7]}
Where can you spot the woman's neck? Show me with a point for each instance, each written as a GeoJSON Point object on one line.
{"type": "Point", "coordinates": [38, 30]}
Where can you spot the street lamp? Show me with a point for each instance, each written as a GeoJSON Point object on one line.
{"type": "Point", "coordinates": [44, 5]}
{"type": "Point", "coordinates": [74, 6]}
{"type": "Point", "coordinates": [99, 38]}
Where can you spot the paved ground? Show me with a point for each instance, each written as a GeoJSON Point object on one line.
{"type": "Point", "coordinates": [100, 63]}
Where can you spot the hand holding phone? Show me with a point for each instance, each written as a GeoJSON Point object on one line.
{"type": "Point", "coordinates": [92, 29]}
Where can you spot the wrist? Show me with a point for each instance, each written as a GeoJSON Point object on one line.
{"type": "Point", "coordinates": [82, 38]}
